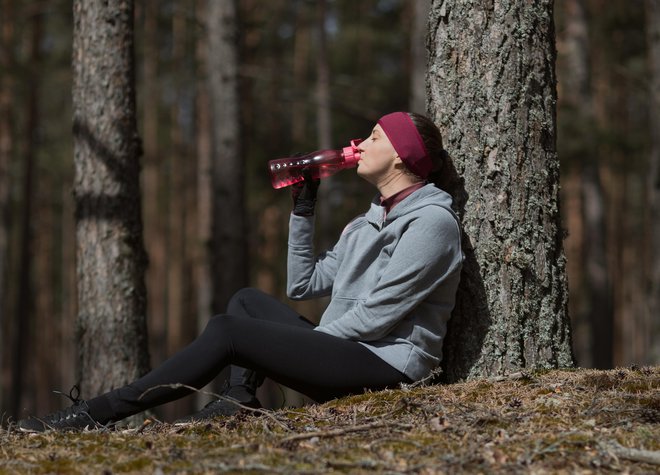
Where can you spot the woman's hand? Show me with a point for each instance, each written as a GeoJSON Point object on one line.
{"type": "Point", "coordinates": [304, 194]}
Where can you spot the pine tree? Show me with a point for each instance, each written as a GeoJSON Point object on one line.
{"type": "Point", "coordinates": [111, 260]}
{"type": "Point", "coordinates": [491, 80]}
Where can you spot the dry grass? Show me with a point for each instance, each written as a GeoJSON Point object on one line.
{"type": "Point", "coordinates": [580, 421]}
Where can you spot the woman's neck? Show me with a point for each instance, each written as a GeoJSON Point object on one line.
{"type": "Point", "coordinates": [393, 184]}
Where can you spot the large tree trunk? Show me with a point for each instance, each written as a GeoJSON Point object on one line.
{"type": "Point", "coordinates": [111, 260]}
{"type": "Point", "coordinates": [491, 81]}
{"type": "Point", "coordinates": [653, 183]}
{"type": "Point", "coordinates": [229, 242]}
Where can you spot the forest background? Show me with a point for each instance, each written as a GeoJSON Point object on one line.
{"type": "Point", "coordinates": [313, 74]}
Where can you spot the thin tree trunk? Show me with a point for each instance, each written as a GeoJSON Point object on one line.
{"type": "Point", "coordinates": [204, 181]}
{"type": "Point", "coordinates": [154, 229]}
{"type": "Point", "coordinates": [653, 177]}
{"type": "Point", "coordinates": [229, 241]}
{"type": "Point", "coordinates": [111, 259]}
{"type": "Point", "coordinates": [577, 99]}
{"type": "Point", "coordinates": [323, 121]}
{"type": "Point", "coordinates": [419, 54]}
{"type": "Point", "coordinates": [331, 191]}
{"type": "Point", "coordinates": [6, 151]}
{"type": "Point", "coordinates": [43, 375]}
{"type": "Point", "coordinates": [25, 308]}
{"type": "Point", "coordinates": [492, 92]}
{"type": "Point", "coordinates": [176, 215]}
{"type": "Point", "coordinates": [601, 318]}
{"type": "Point", "coordinates": [301, 50]}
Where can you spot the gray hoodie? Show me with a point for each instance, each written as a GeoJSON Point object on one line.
{"type": "Point", "coordinates": [392, 278]}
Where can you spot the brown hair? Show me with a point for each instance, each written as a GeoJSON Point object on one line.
{"type": "Point", "coordinates": [443, 172]}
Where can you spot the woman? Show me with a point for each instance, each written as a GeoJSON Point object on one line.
{"type": "Point", "coordinates": [392, 276]}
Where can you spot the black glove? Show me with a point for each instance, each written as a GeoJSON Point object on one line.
{"type": "Point", "coordinates": [304, 194]}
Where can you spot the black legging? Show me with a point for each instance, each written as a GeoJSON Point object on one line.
{"type": "Point", "coordinates": [261, 334]}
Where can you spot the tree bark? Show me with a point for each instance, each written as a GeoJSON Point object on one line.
{"type": "Point", "coordinates": [229, 241]}
{"type": "Point", "coordinates": [492, 91]}
{"type": "Point", "coordinates": [111, 260]}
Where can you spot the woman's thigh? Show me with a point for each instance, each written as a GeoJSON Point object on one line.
{"type": "Point", "coordinates": [314, 363]}
{"type": "Point", "coordinates": [253, 303]}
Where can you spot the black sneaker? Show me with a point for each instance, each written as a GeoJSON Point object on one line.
{"type": "Point", "coordinates": [225, 406]}
{"type": "Point", "coordinates": [74, 417]}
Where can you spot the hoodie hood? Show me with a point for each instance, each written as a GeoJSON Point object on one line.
{"type": "Point", "coordinates": [428, 195]}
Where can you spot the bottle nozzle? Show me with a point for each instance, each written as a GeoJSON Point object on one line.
{"type": "Point", "coordinates": [352, 154]}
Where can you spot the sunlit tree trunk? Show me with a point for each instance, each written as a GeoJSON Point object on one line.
{"type": "Point", "coordinates": [229, 237]}
{"type": "Point", "coordinates": [111, 259]}
{"type": "Point", "coordinates": [492, 91]}
{"type": "Point", "coordinates": [653, 180]}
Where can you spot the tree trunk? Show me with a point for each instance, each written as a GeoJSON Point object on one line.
{"type": "Point", "coordinates": [577, 102]}
{"type": "Point", "coordinates": [229, 241]}
{"type": "Point", "coordinates": [492, 91]}
{"type": "Point", "coordinates": [653, 184]}
{"type": "Point", "coordinates": [6, 148]}
{"type": "Point", "coordinates": [204, 181]}
{"type": "Point", "coordinates": [152, 179]}
{"type": "Point", "coordinates": [301, 54]}
{"type": "Point", "coordinates": [419, 55]}
{"type": "Point", "coordinates": [25, 302]}
{"type": "Point", "coordinates": [111, 260]}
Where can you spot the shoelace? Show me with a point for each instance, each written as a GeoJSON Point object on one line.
{"type": "Point", "coordinates": [74, 399]}
{"type": "Point", "coordinates": [73, 410]}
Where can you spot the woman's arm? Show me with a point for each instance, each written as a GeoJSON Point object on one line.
{"type": "Point", "coordinates": [308, 276]}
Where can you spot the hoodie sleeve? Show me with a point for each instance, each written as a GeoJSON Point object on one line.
{"type": "Point", "coordinates": [308, 276]}
{"type": "Point", "coordinates": [427, 254]}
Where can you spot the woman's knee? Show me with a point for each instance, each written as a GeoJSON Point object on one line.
{"type": "Point", "coordinates": [219, 326]}
{"type": "Point", "coordinates": [238, 303]}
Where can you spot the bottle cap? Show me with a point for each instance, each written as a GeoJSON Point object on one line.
{"type": "Point", "coordinates": [352, 154]}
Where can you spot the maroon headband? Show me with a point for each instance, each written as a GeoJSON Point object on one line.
{"type": "Point", "coordinates": [400, 129]}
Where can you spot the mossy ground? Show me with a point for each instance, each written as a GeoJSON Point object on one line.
{"type": "Point", "coordinates": [564, 421]}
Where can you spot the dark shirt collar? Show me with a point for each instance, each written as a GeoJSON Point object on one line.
{"type": "Point", "coordinates": [391, 201]}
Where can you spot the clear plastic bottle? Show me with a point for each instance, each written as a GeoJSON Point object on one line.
{"type": "Point", "coordinates": [321, 164]}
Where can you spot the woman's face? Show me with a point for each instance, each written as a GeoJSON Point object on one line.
{"type": "Point", "coordinates": [377, 157]}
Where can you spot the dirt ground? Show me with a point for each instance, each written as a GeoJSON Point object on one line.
{"type": "Point", "coordinates": [560, 421]}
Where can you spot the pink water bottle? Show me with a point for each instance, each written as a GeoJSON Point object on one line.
{"type": "Point", "coordinates": [321, 164]}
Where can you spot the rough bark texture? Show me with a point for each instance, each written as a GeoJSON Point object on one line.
{"type": "Point", "coordinates": [111, 259]}
{"type": "Point", "coordinates": [491, 85]}
{"type": "Point", "coordinates": [229, 242]}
